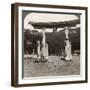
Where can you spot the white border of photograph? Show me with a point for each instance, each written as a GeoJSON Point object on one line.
{"type": "Point", "coordinates": [32, 80]}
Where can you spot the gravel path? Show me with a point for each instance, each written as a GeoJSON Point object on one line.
{"type": "Point", "coordinates": [53, 67]}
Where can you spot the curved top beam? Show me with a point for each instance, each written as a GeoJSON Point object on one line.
{"type": "Point", "coordinates": [39, 25]}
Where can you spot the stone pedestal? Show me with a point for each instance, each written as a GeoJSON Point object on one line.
{"type": "Point", "coordinates": [68, 54]}
{"type": "Point", "coordinates": [44, 52]}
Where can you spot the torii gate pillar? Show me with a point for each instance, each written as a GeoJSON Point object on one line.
{"type": "Point", "coordinates": [44, 49]}
{"type": "Point", "coordinates": [68, 54]}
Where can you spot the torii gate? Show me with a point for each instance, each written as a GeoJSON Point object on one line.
{"type": "Point", "coordinates": [55, 25]}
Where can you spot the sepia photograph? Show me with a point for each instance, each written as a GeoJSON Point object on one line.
{"type": "Point", "coordinates": [49, 44]}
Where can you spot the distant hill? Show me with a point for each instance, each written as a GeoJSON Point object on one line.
{"type": "Point", "coordinates": [55, 40]}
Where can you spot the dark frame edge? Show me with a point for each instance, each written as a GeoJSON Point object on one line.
{"type": "Point", "coordinates": [50, 5]}
{"type": "Point", "coordinates": [86, 41]}
{"type": "Point", "coordinates": [50, 83]}
{"type": "Point", "coordinates": [14, 46]}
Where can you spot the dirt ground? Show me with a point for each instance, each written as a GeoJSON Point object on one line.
{"type": "Point", "coordinates": [53, 67]}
